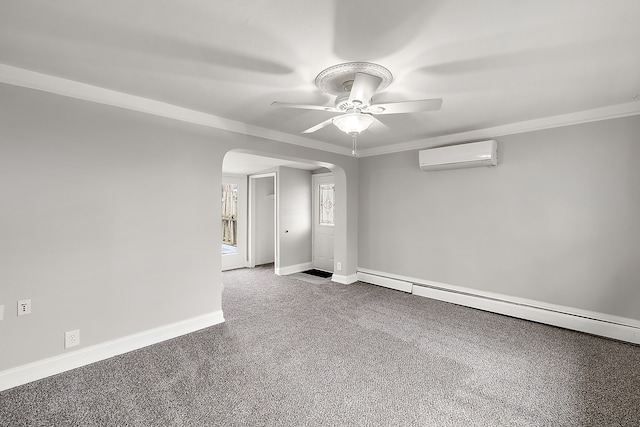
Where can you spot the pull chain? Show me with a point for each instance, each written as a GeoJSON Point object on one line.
{"type": "Point", "coordinates": [354, 151]}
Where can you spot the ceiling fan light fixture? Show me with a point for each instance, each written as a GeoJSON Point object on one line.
{"type": "Point", "coordinates": [353, 123]}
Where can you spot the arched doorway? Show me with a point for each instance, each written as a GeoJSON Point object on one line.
{"type": "Point", "coordinates": [267, 197]}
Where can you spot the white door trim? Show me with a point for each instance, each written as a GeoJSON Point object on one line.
{"type": "Point", "coordinates": [251, 240]}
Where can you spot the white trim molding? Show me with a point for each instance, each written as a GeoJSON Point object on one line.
{"type": "Point", "coordinates": [591, 322]}
{"type": "Point", "coordinates": [594, 115]}
{"type": "Point", "coordinates": [296, 268]}
{"type": "Point", "coordinates": [344, 280]}
{"type": "Point", "coordinates": [73, 89]}
{"type": "Point", "coordinates": [65, 362]}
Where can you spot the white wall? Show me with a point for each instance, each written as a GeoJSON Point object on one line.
{"type": "Point", "coordinates": [557, 221]}
{"type": "Point", "coordinates": [108, 220]}
{"type": "Point", "coordinates": [294, 219]}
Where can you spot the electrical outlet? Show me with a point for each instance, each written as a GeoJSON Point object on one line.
{"type": "Point", "coordinates": [24, 307]}
{"type": "Point", "coordinates": [339, 266]}
{"type": "Point", "coordinates": [72, 338]}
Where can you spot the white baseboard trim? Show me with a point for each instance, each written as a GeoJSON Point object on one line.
{"type": "Point", "coordinates": [345, 280]}
{"type": "Point", "coordinates": [387, 282]}
{"type": "Point", "coordinates": [296, 268]}
{"type": "Point", "coordinates": [602, 324]}
{"type": "Point", "coordinates": [54, 365]}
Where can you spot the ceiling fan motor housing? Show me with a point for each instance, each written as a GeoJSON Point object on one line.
{"type": "Point", "coordinates": [342, 102]}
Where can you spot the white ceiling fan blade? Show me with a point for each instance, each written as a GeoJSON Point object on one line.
{"type": "Point", "coordinates": [378, 127]}
{"type": "Point", "coordinates": [406, 107]}
{"type": "Point", "coordinates": [363, 89]}
{"type": "Point", "coordinates": [304, 106]}
{"type": "Point", "coordinates": [319, 126]}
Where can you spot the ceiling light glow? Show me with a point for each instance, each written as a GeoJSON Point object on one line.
{"type": "Point", "coordinates": [353, 123]}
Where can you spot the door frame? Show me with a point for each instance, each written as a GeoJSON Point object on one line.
{"type": "Point", "coordinates": [251, 240]}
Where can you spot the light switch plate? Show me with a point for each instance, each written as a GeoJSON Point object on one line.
{"type": "Point", "coordinates": [1, 312]}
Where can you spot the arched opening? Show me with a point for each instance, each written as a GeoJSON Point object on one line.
{"type": "Point", "coordinates": [275, 213]}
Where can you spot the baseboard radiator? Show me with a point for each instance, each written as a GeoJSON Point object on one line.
{"type": "Point", "coordinates": [605, 325]}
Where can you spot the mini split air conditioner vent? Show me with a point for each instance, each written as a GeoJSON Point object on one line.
{"type": "Point", "coordinates": [475, 154]}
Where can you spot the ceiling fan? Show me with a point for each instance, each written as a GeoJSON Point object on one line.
{"type": "Point", "coordinates": [355, 84]}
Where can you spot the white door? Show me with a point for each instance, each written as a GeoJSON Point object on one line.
{"type": "Point", "coordinates": [233, 221]}
{"type": "Point", "coordinates": [323, 225]}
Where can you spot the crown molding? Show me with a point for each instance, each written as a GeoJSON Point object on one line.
{"type": "Point", "coordinates": [586, 116]}
{"type": "Point", "coordinates": [73, 89]}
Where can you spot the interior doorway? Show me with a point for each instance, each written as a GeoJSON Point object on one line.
{"type": "Point", "coordinates": [283, 191]}
{"type": "Point", "coordinates": [233, 221]}
{"type": "Point", "coordinates": [262, 219]}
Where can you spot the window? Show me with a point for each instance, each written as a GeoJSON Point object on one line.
{"type": "Point", "coordinates": [326, 193]}
{"type": "Point", "coordinates": [229, 218]}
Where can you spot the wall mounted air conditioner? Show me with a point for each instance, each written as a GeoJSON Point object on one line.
{"type": "Point", "coordinates": [484, 153]}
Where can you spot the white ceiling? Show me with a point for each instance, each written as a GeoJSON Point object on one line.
{"type": "Point", "coordinates": [501, 65]}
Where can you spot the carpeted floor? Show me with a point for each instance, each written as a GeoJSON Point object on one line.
{"type": "Point", "coordinates": [294, 353]}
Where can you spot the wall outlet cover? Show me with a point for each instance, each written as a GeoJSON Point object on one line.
{"type": "Point", "coordinates": [72, 338]}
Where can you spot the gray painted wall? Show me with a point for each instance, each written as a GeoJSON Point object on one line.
{"type": "Point", "coordinates": [106, 225]}
{"type": "Point", "coordinates": [294, 216]}
{"type": "Point", "coordinates": [557, 221]}
{"type": "Point", "coordinates": [108, 220]}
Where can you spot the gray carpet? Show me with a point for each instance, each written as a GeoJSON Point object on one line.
{"type": "Point", "coordinates": [294, 353]}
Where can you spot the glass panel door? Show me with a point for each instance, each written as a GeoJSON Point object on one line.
{"type": "Point", "coordinates": [323, 221]}
{"type": "Point", "coordinates": [326, 203]}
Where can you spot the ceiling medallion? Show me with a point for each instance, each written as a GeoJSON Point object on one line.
{"type": "Point", "coordinates": [337, 79]}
